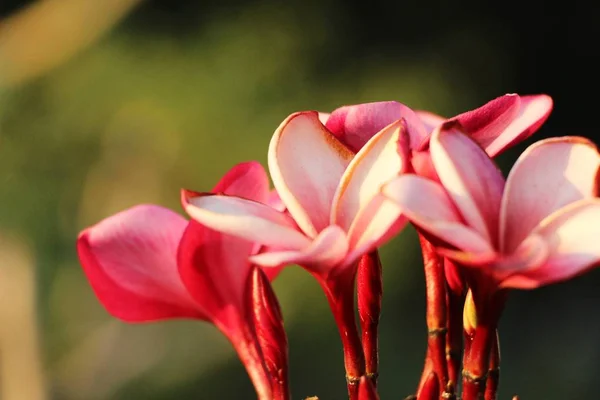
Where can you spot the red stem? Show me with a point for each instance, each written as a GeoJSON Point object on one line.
{"type": "Point", "coordinates": [493, 379]}
{"type": "Point", "coordinates": [370, 291]}
{"type": "Point", "coordinates": [477, 361]}
{"type": "Point", "coordinates": [477, 358]}
{"type": "Point", "coordinates": [340, 295]}
{"type": "Point", "coordinates": [454, 337]}
{"type": "Point", "coordinates": [246, 346]}
{"type": "Point", "coordinates": [435, 283]}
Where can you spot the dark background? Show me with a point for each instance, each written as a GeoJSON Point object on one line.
{"type": "Point", "coordinates": [176, 92]}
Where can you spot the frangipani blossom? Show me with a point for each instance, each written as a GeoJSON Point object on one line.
{"type": "Point", "coordinates": [496, 125]}
{"type": "Point", "coordinates": [148, 263]}
{"type": "Point", "coordinates": [335, 211]}
{"type": "Point", "coordinates": [540, 227]}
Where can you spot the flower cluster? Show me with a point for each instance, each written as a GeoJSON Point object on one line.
{"type": "Point", "coordinates": [344, 184]}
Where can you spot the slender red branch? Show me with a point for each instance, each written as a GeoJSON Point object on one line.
{"type": "Point", "coordinates": [435, 283]}
{"type": "Point", "coordinates": [431, 388]}
{"type": "Point", "coordinates": [249, 352]}
{"type": "Point", "coordinates": [427, 370]}
{"type": "Point", "coordinates": [369, 293]}
{"type": "Point", "coordinates": [493, 379]}
{"type": "Point", "coordinates": [477, 360]}
{"type": "Point", "coordinates": [340, 295]}
{"type": "Point", "coordinates": [454, 337]}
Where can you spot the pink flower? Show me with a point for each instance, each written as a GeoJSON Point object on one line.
{"type": "Point", "coordinates": [335, 212]}
{"type": "Point", "coordinates": [496, 125]}
{"type": "Point", "coordinates": [148, 263]}
{"type": "Point", "coordinates": [541, 227]}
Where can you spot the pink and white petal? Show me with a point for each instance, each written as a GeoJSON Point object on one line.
{"type": "Point", "coordinates": [427, 205]}
{"type": "Point", "coordinates": [430, 120]}
{"type": "Point", "coordinates": [534, 110]}
{"type": "Point", "coordinates": [571, 235]}
{"type": "Point", "coordinates": [214, 268]}
{"type": "Point", "coordinates": [384, 157]}
{"type": "Point", "coordinates": [471, 179]}
{"type": "Point", "coordinates": [486, 123]}
{"type": "Point", "coordinates": [130, 260]}
{"type": "Point", "coordinates": [306, 163]}
{"type": "Point", "coordinates": [549, 175]}
{"type": "Point", "coordinates": [422, 165]}
{"type": "Point", "coordinates": [375, 224]}
{"type": "Point", "coordinates": [247, 219]}
{"type": "Point", "coordinates": [323, 117]}
{"type": "Point", "coordinates": [354, 125]}
{"type": "Point", "coordinates": [274, 201]}
{"type": "Point", "coordinates": [326, 252]}
{"type": "Point", "coordinates": [248, 180]}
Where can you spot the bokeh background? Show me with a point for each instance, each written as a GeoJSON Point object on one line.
{"type": "Point", "coordinates": [112, 103]}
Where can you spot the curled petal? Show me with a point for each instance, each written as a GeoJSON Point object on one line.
{"type": "Point", "coordinates": [380, 160]}
{"type": "Point", "coordinates": [430, 120]}
{"type": "Point", "coordinates": [248, 180]}
{"type": "Point", "coordinates": [246, 219]}
{"type": "Point", "coordinates": [471, 179]}
{"type": "Point", "coordinates": [355, 125]}
{"type": "Point", "coordinates": [306, 163]}
{"type": "Point", "coordinates": [549, 175]}
{"type": "Point", "coordinates": [130, 261]}
{"type": "Point", "coordinates": [427, 205]}
{"type": "Point", "coordinates": [326, 251]}
{"type": "Point", "coordinates": [533, 112]}
{"type": "Point", "coordinates": [486, 123]}
{"type": "Point", "coordinates": [571, 235]}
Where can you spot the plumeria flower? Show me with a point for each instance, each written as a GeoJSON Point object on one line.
{"type": "Point", "coordinates": [148, 264]}
{"type": "Point", "coordinates": [334, 214]}
{"type": "Point", "coordinates": [497, 125]}
{"type": "Point", "coordinates": [540, 227]}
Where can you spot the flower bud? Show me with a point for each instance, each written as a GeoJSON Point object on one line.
{"type": "Point", "coordinates": [271, 335]}
{"type": "Point", "coordinates": [469, 315]}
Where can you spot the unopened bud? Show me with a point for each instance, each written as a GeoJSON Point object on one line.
{"type": "Point", "coordinates": [469, 315]}
{"type": "Point", "coordinates": [271, 335]}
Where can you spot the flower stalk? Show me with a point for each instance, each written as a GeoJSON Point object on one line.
{"type": "Point", "coordinates": [435, 284]}
{"type": "Point", "coordinates": [339, 290]}
{"type": "Point", "coordinates": [369, 293]}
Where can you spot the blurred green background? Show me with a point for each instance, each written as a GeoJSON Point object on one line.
{"type": "Point", "coordinates": [108, 104]}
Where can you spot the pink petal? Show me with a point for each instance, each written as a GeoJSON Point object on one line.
{"type": "Point", "coordinates": [549, 175]}
{"type": "Point", "coordinates": [571, 235]}
{"type": "Point", "coordinates": [274, 201]}
{"type": "Point", "coordinates": [355, 125]}
{"type": "Point", "coordinates": [248, 180]}
{"type": "Point", "coordinates": [255, 222]}
{"type": "Point", "coordinates": [430, 120]}
{"type": "Point", "coordinates": [306, 163]}
{"type": "Point", "coordinates": [471, 179]}
{"type": "Point", "coordinates": [426, 204]}
{"type": "Point", "coordinates": [380, 160]}
{"type": "Point", "coordinates": [376, 223]}
{"type": "Point", "coordinates": [215, 269]}
{"type": "Point", "coordinates": [533, 112]}
{"type": "Point", "coordinates": [486, 123]}
{"type": "Point", "coordinates": [326, 251]}
{"type": "Point", "coordinates": [130, 261]}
